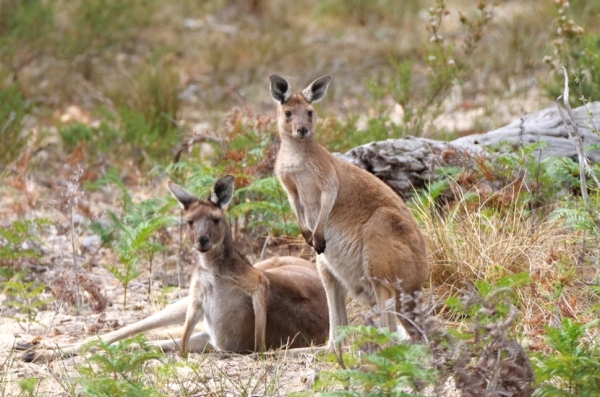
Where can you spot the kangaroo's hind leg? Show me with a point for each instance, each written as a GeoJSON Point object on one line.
{"type": "Point", "coordinates": [171, 315]}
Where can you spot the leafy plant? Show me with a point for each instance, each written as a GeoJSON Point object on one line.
{"type": "Point", "coordinates": [15, 243]}
{"type": "Point", "coordinates": [25, 27]}
{"type": "Point", "coordinates": [119, 369]}
{"type": "Point", "coordinates": [363, 12]}
{"type": "Point", "coordinates": [264, 204]}
{"type": "Point", "coordinates": [12, 109]}
{"type": "Point", "coordinates": [24, 296]}
{"type": "Point", "coordinates": [573, 366]}
{"type": "Point", "coordinates": [152, 92]}
{"type": "Point", "coordinates": [74, 133]}
{"type": "Point", "coordinates": [133, 241]}
{"type": "Point", "coordinates": [480, 358]}
{"type": "Point", "coordinates": [388, 368]}
{"type": "Point", "coordinates": [126, 133]}
{"type": "Point", "coordinates": [578, 215]}
{"type": "Point", "coordinates": [28, 387]}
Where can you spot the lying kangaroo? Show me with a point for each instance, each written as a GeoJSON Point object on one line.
{"type": "Point", "coordinates": [367, 240]}
{"type": "Point", "coordinates": [244, 308]}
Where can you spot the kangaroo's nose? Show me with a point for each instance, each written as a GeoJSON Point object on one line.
{"type": "Point", "coordinates": [302, 131]}
{"type": "Point", "coordinates": [203, 240]}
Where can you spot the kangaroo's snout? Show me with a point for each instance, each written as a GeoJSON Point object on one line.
{"type": "Point", "coordinates": [302, 131]}
{"type": "Point", "coordinates": [203, 243]}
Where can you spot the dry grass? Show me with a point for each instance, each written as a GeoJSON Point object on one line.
{"type": "Point", "coordinates": [472, 242]}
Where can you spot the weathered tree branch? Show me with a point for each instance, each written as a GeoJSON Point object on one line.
{"type": "Point", "coordinates": [409, 163]}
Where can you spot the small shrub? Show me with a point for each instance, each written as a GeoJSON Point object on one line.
{"type": "Point", "coordinates": [265, 207]}
{"type": "Point", "coordinates": [28, 387]}
{"type": "Point", "coordinates": [133, 242]}
{"type": "Point", "coordinates": [125, 134]}
{"type": "Point", "coordinates": [15, 244]}
{"type": "Point", "coordinates": [573, 366]}
{"type": "Point", "coordinates": [579, 216]}
{"type": "Point", "coordinates": [389, 367]}
{"type": "Point", "coordinates": [364, 12]}
{"type": "Point", "coordinates": [146, 138]}
{"type": "Point", "coordinates": [95, 27]}
{"type": "Point", "coordinates": [25, 27]}
{"type": "Point", "coordinates": [579, 52]}
{"type": "Point", "coordinates": [444, 67]}
{"type": "Point", "coordinates": [153, 92]}
{"type": "Point", "coordinates": [12, 109]}
{"type": "Point", "coordinates": [512, 174]}
{"type": "Point", "coordinates": [118, 369]}
{"type": "Point", "coordinates": [343, 135]}
{"type": "Point", "coordinates": [16, 250]}
{"type": "Point", "coordinates": [24, 297]}
{"type": "Point", "coordinates": [482, 358]}
{"type": "Point", "coordinates": [74, 133]}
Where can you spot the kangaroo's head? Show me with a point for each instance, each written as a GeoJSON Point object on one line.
{"type": "Point", "coordinates": [295, 114]}
{"type": "Point", "coordinates": [207, 227]}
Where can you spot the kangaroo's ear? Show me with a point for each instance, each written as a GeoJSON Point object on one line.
{"type": "Point", "coordinates": [185, 198]}
{"type": "Point", "coordinates": [280, 89]}
{"type": "Point", "coordinates": [222, 191]}
{"type": "Point", "coordinates": [317, 89]}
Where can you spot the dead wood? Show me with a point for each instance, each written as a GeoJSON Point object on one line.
{"type": "Point", "coordinates": [409, 163]}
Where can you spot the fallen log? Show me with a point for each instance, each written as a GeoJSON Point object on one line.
{"type": "Point", "coordinates": [409, 163]}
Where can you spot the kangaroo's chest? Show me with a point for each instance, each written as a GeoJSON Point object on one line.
{"type": "Point", "coordinates": [301, 176]}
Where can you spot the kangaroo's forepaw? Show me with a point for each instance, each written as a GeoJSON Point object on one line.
{"type": "Point", "coordinates": [308, 237]}
{"type": "Point", "coordinates": [319, 244]}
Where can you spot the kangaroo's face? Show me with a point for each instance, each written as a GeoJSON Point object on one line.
{"type": "Point", "coordinates": [206, 224]}
{"type": "Point", "coordinates": [296, 117]}
{"type": "Point", "coordinates": [295, 114]}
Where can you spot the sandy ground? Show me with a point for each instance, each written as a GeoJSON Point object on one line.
{"type": "Point", "coordinates": [214, 373]}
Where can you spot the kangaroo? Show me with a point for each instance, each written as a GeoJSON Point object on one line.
{"type": "Point", "coordinates": [244, 308]}
{"type": "Point", "coordinates": [367, 241]}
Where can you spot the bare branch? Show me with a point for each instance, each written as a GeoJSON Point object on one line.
{"type": "Point", "coordinates": [188, 142]}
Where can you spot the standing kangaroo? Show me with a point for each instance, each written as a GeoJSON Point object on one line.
{"type": "Point", "coordinates": [244, 308]}
{"type": "Point", "coordinates": [368, 242]}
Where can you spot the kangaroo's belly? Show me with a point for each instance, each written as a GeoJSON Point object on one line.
{"type": "Point", "coordinates": [343, 257]}
{"type": "Point", "coordinates": [229, 319]}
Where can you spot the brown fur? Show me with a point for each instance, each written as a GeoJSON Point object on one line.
{"type": "Point", "coordinates": [279, 301]}
{"type": "Point", "coordinates": [367, 240]}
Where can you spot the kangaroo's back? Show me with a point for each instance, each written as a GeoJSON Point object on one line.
{"type": "Point", "coordinates": [297, 303]}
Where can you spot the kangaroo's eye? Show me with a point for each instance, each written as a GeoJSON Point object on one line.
{"type": "Point", "coordinates": [216, 221]}
{"type": "Point", "coordinates": [310, 112]}
{"type": "Point", "coordinates": [190, 223]}
{"type": "Point", "coordinates": [288, 114]}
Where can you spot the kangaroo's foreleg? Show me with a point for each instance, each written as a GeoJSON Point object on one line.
{"type": "Point", "coordinates": [329, 192]}
{"type": "Point", "coordinates": [294, 199]}
{"type": "Point", "coordinates": [195, 312]}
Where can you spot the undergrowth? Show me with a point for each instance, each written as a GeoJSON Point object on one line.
{"type": "Point", "coordinates": [571, 367]}
{"type": "Point", "coordinates": [483, 357]}
{"type": "Point", "coordinates": [12, 109]}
